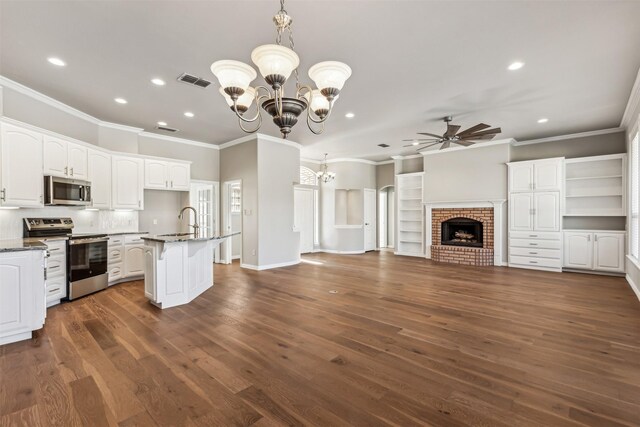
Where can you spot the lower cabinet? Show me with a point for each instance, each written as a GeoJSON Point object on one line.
{"type": "Point", "coordinates": [133, 260]}
{"type": "Point", "coordinates": [594, 250]}
{"type": "Point", "coordinates": [126, 258]}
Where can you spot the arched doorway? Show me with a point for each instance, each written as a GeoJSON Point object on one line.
{"type": "Point", "coordinates": [386, 217]}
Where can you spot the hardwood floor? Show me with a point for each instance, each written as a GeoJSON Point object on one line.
{"type": "Point", "coordinates": [404, 342]}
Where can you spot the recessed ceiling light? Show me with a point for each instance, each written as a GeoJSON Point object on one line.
{"type": "Point", "coordinates": [56, 61]}
{"type": "Point", "coordinates": [543, 120]}
{"type": "Point", "coordinates": [120, 100]}
{"type": "Point", "coordinates": [189, 114]}
{"type": "Point", "coordinates": [162, 123]}
{"type": "Point", "coordinates": [158, 82]}
{"type": "Point", "coordinates": [349, 115]}
{"type": "Point", "coordinates": [516, 65]}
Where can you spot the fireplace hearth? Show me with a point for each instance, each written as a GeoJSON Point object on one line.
{"type": "Point", "coordinates": [461, 232]}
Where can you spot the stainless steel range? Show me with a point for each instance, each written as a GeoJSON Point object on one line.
{"type": "Point", "coordinates": [86, 254]}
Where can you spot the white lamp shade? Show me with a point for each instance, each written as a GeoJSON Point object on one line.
{"type": "Point", "coordinates": [275, 59]}
{"type": "Point", "coordinates": [318, 100]}
{"type": "Point", "coordinates": [245, 100]}
{"type": "Point", "coordinates": [331, 74]}
{"type": "Point", "coordinates": [233, 73]}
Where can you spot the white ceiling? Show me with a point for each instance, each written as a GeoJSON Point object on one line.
{"type": "Point", "coordinates": [413, 63]}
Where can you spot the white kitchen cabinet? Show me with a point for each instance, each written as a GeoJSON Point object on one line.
{"type": "Point", "coordinates": [536, 175]}
{"type": "Point", "coordinates": [133, 260]}
{"type": "Point", "coordinates": [125, 257]}
{"type": "Point", "coordinates": [22, 294]}
{"type": "Point", "coordinates": [520, 212]}
{"type": "Point", "coordinates": [127, 178]}
{"type": "Point", "coordinates": [166, 175]}
{"type": "Point", "coordinates": [546, 211]}
{"type": "Point", "coordinates": [21, 171]}
{"type": "Point", "coordinates": [99, 173]}
{"type": "Point", "coordinates": [594, 250]}
{"type": "Point", "coordinates": [64, 158]}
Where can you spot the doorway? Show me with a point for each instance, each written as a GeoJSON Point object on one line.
{"type": "Point", "coordinates": [231, 249]}
{"type": "Point", "coordinates": [203, 196]}
{"type": "Point", "coordinates": [386, 215]}
{"type": "Point", "coordinates": [304, 217]}
{"type": "Point", "coordinates": [369, 219]}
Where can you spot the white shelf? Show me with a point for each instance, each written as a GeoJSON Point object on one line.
{"type": "Point", "coordinates": [580, 178]}
{"type": "Point", "coordinates": [410, 227]}
{"type": "Point", "coordinates": [593, 195]}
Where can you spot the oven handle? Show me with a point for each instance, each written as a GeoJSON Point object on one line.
{"type": "Point", "coordinates": [85, 241]}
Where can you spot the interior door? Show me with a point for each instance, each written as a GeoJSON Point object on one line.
{"type": "Point", "coordinates": [382, 209]}
{"type": "Point", "coordinates": [369, 219]}
{"type": "Point", "coordinates": [609, 252]}
{"type": "Point", "coordinates": [520, 212]}
{"type": "Point", "coordinates": [303, 217]}
{"type": "Point", "coordinates": [546, 211]}
{"type": "Point", "coordinates": [578, 250]}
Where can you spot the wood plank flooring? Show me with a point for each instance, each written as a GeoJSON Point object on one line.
{"type": "Point", "coordinates": [404, 342]}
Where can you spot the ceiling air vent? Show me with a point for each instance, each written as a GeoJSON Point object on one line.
{"type": "Point", "coordinates": [193, 80]}
{"type": "Point", "coordinates": [384, 145]}
{"type": "Point", "coordinates": [166, 129]}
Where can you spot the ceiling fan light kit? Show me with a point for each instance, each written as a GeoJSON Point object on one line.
{"type": "Point", "coordinates": [276, 63]}
{"type": "Point", "coordinates": [466, 138]}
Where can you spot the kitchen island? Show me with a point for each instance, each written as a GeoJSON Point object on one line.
{"type": "Point", "coordinates": [178, 267]}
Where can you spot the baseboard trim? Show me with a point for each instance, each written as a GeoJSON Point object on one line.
{"type": "Point", "coordinates": [634, 286]}
{"type": "Point", "coordinates": [332, 251]}
{"type": "Point", "coordinates": [269, 266]}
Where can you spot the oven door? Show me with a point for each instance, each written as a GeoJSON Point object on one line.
{"type": "Point", "coordinates": [87, 258]}
{"type": "Point", "coordinates": [70, 192]}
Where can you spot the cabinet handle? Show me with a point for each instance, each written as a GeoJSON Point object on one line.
{"type": "Point", "coordinates": [54, 266]}
{"type": "Point", "coordinates": [171, 184]}
{"type": "Point", "coordinates": [588, 237]}
{"type": "Point", "coordinates": [533, 235]}
{"type": "Point", "coordinates": [71, 171]}
{"type": "Point", "coordinates": [54, 249]}
{"type": "Point", "coordinates": [166, 184]}
{"type": "Point", "coordinates": [139, 203]}
{"type": "Point", "coordinates": [533, 262]}
{"type": "Point", "coordinates": [3, 195]}
{"type": "Point", "coordinates": [533, 244]}
{"type": "Point", "coordinates": [595, 237]}
{"type": "Point", "coordinates": [66, 170]}
{"type": "Point", "coordinates": [533, 253]}
{"type": "Point", "coordinates": [53, 290]}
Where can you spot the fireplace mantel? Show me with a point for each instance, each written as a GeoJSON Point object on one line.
{"type": "Point", "coordinates": [495, 204]}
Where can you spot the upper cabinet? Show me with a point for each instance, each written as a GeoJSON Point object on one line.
{"type": "Point", "coordinates": [99, 172]}
{"type": "Point", "coordinates": [64, 158]}
{"type": "Point", "coordinates": [127, 183]}
{"type": "Point", "coordinates": [21, 159]}
{"type": "Point", "coordinates": [537, 175]}
{"type": "Point", "coordinates": [166, 175]}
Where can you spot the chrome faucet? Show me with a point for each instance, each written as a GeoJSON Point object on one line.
{"type": "Point", "coordinates": [196, 227]}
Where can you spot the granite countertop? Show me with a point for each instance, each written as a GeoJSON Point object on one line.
{"type": "Point", "coordinates": [122, 233]}
{"type": "Point", "coordinates": [44, 239]}
{"type": "Point", "coordinates": [15, 245]}
{"type": "Point", "coordinates": [184, 237]}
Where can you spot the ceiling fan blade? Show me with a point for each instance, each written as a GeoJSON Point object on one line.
{"type": "Point", "coordinates": [430, 134]}
{"type": "Point", "coordinates": [465, 143]}
{"type": "Point", "coordinates": [427, 146]}
{"type": "Point", "coordinates": [472, 129]}
{"type": "Point", "coordinates": [451, 130]}
{"type": "Point", "coordinates": [486, 132]}
{"type": "Point", "coordinates": [479, 138]}
{"type": "Point", "coordinates": [446, 144]}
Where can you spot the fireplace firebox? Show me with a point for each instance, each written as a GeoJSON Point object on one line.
{"type": "Point", "coordinates": [461, 232]}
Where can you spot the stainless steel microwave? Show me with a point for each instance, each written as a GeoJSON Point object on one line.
{"type": "Point", "coordinates": [66, 192]}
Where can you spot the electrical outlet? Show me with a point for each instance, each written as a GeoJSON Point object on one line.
{"type": "Point", "coordinates": [155, 221]}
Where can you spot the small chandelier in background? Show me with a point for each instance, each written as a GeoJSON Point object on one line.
{"type": "Point", "coordinates": [324, 175]}
{"type": "Point", "coordinates": [276, 63]}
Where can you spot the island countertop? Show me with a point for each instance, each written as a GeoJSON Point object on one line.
{"type": "Point", "coordinates": [15, 245]}
{"type": "Point", "coordinates": [184, 237]}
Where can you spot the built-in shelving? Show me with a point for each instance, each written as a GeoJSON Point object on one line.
{"type": "Point", "coordinates": [594, 186]}
{"type": "Point", "coordinates": [410, 214]}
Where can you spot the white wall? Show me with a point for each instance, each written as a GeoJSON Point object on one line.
{"type": "Point", "coordinates": [162, 207]}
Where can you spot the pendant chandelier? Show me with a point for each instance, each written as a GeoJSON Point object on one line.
{"type": "Point", "coordinates": [276, 64]}
{"type": "Point", "coordinates": [324, 175]}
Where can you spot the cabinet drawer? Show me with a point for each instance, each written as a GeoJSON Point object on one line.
{"type": "Point", "coordinates": [116, 240]}
{"type": "Point", "coordinates": [115, 272]}
{"type": "Point", "coordinates": [532, 243]}
{"type": "Point", "coordinates": [56, 267]}
{"type": "Point", "coordinates": [535, 262]}
{"type": "Point", "coordinates": [134, 239]}
{"type": "Point", "coordinates": [57, 247]}
{"type": "Point", "coordinates": [115, 254]}
{"type": "Point", "coordinates": [56, 288]}
{"type": "Point", "coordinates": [534, 235]}
{"type": "Point", "coordinates": [535, 253]}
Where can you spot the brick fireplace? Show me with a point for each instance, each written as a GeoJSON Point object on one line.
{"type": "Point", "coordinates": [469, 238]}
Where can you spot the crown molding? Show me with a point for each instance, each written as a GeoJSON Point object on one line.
{"type": "Point", "coordinates": [347, 159]}
{"type": "Point", "coordinates": [178, 140]}
{"type": "Point", "coordinates": [279, 140]}
{"type": "Point", "coordinates": [410, 156]}
{"type": "Point", "coordinates": [385, 162]}
{"type": "Point", "coordinates": [120, 127]}
{"type": "Point", "coordinates": [473, 147]}
{"type": "Point", "coordinates": [256, 136]}
{"type": "Point", "coordinates": [633, 104]}
{"type": "Point", "coordinates": [5, 82]}
{"type": "Point", "coordinates": [306, 160]}
{"type": "Point", "coordinates": [570, 136]}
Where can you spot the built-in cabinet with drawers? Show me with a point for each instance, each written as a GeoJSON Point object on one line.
{"type": "Point", "coordinates": [56, 280]}
{"type": "Point", "coordinates": [594, 250]}
{"type": "Point", "coordinates": [125, 258]}
{"type": "Point", "coordinates": [535, 195]}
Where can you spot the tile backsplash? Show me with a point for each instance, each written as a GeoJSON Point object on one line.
{"type": "Point", "coordinates": [85, 221]}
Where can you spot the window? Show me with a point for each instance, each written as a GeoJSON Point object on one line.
{"type": "Point", "coordinates": [634, 230]}
{"type": "Point", "coordinates": [235, 200]}
{"type": "Point", "coordinates": [307, 176]}
{"type": "Point", "coordinates": [202, 197]}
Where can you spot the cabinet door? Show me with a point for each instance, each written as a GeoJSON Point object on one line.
{"type": "Point", "coordinates": [521, 177]}
{"type": "Point", "coordinates": [520, 212]}
{"type": "Point", "coordinates": [77, 161]}
{"type": "Point", "coordinates": [578, 250]}
{"type": "Point", "coordinates": [133, 260]}
{"type": "Point", "coordinates": [156, 174]}
{"type": "Point", "coordinates": [127, 182]}
{"type": "Point", "coordinates": [16, 289]}
{"type": "Point", "coordinates": [179, 176]}
{"type": "Point", "coordinates": [546, 207]}
{"type": "Point", "coordinates": [547, 175]}
{"type": "Point", "coordinates": [99, 173]}
{"type": "Point", "coordinates": [609, 252]}
{"type": "Point", "coordinates": [55, 157]}
{"type": "Point", "coordinates": [21, 159]}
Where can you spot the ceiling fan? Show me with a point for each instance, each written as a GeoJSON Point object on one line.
{"type": "Point", "coordinates": [466, 138]}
